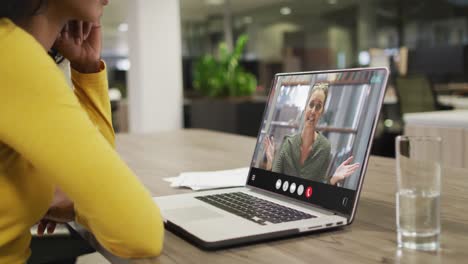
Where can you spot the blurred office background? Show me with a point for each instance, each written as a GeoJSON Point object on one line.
{"type": "Point", "coordinates": [152, 49]}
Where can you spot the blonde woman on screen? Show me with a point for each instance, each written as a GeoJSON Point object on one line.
{"type": "Point", "coordinates": [307, 154]}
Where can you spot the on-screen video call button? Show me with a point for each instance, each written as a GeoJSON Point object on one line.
{"type": "Point", "coordinates": [308, 193]}
{"type": "Point", "coordinates": [292, 189]}
{"type": "Point", "coordinates": [300, 190]}
{"type": "Point", "coordinates": [285, 186]}
{"type": "Point", "coordinates": [278, 184]}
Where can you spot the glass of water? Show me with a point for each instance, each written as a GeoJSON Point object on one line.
{"type": "Point", "coordinates": [418, 192]}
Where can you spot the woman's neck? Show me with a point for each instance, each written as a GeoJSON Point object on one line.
{"type": "Point", "coordinates": [44, 28]}
{"type": "Point", "coordinates": [308, 137]}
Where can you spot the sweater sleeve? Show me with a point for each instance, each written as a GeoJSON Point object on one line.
{"type": "Point", "coordinates": [93, 94]}
{"type": "Point", "coordinates": [42, 120]}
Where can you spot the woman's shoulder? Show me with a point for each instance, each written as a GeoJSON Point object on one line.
{"type": "Point", "coordinates": [20, 51]}
{"type": "Point", "coordinates": [6, 26]}
{"type": "Point", "coordinates": [286, 142]}
{"type": "Point", "coordinates": [25, 64]}
{"type": "Point", "coordinates": [290, 139]}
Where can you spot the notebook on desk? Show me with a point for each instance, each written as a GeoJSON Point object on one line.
{"type": "Point", "coordinates": [307, 168]}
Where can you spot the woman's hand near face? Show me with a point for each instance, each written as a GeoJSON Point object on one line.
{"type": "Point", "coordinates": [344, 170]}
{"type": "Point", "coordinates": [269, 144]}
{"type": "Point", "coordinates": [80, 42]}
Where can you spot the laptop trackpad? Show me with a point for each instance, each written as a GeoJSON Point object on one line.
{"type": "Point", "coordinates": [194, 213]}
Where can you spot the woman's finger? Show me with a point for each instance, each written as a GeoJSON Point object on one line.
{"type": "Point", "coordinates": [353, 168]}
{"type": "Point", "coordinates": [76, 31]}
{"type": "Point", "coordinates": [94, 38]}
{"type": "Point", "coordinates": [79, 32]}
{"type": "Point", "coordinates": [65, 34]}
{"type": "Point", "coordinates": [349, 171]}
{"type": "Point", "coordinates": [51, 227]}
{"type": "Point", "coordinates": [40, 229]}
{"type": "Point", "coordinates": [348, 160]}
{"type": "Point", "coordinates": [87, 27]}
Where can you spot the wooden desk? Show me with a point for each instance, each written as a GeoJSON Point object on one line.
{"type": "Point", "coordinates": [458, 102]}
{"type": "Point", "coordinates": [453, 88]}
{"type": "Point", "coordinates": [370, 239]}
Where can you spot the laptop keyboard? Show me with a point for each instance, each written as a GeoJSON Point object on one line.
{"type": "Point", "coordinates": [254, 209]}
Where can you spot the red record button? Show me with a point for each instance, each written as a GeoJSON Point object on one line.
{"type": "Point", "coordinates": [308, 192]}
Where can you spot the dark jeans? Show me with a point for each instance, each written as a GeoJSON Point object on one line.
{"type": "Point", "coordinates": [58, 249]}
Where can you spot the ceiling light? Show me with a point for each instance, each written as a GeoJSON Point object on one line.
{"type": "Point", "coordinates": [285, 11]}
{"type": "Point", "coordinates": [123, 27]}
{"type": "Point", "coordinates": [214, 2]}
{"type": "Point", "coordinates": [333, 2]}
{"type": "Point", "coordinates": [364, 58]}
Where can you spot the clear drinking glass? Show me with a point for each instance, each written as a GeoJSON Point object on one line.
{"type": "Point", "coordinates": [418, 192]}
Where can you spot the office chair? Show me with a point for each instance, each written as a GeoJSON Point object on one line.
{"type": "Point", "coordinates": [415, 94]}
{"type": "Point", "coordinates": [62, 247]}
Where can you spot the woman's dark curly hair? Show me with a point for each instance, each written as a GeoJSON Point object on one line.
{"type": "Point", "coordinates": [17, 10]}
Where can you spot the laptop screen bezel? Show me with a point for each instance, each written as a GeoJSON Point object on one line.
{"type": "Point", "coordinates": [365, 162]}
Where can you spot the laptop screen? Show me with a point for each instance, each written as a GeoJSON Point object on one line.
{"type": "Point", "coordinates": [316, 136]}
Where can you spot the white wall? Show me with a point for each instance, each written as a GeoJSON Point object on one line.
{"type": "Point", "coordinates": [155, 76]}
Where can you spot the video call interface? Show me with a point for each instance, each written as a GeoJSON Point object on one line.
{"type": "Point", "coordinates": [317, 128]}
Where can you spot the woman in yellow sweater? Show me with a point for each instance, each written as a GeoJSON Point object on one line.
{"type": "Point", "coordinates": [52, 137]}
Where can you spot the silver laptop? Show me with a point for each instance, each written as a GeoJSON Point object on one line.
{"type": "Point", "coordinates": [307, 169]}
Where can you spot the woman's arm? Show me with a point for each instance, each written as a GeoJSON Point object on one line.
{"type": "Point", "coordinates": [42, 120]}
{"type": "Point", "coordinates": [80, 42]}
{"type": "Point", "coordinates": [92, 92]}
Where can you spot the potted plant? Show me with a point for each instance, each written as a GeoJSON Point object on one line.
{"type": "Point", "coordinates": [226, 89]}
{"type": "Point", "coordinates": [224, 76]}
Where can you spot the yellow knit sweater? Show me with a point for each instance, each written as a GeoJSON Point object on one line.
{"type": "Point", "coordinates": [52, 136]}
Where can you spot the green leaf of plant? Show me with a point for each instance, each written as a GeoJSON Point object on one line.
{"type": "Point", "coordinates": [224, 76]}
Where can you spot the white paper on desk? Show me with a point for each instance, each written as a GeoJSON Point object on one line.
{"type": "Point", "coordinates": [202, 180]}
